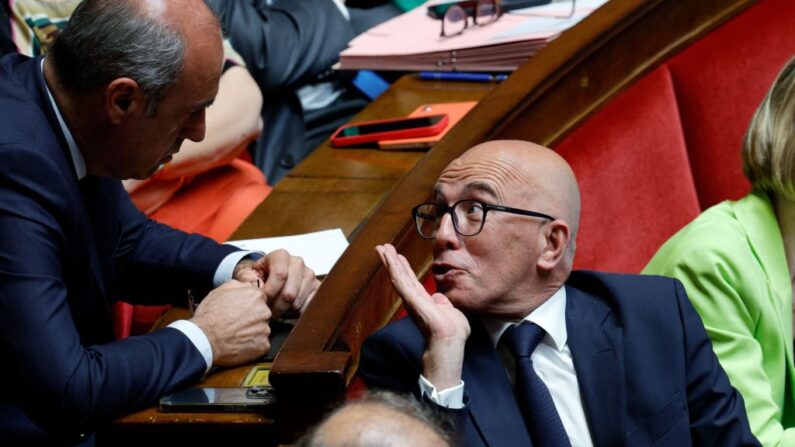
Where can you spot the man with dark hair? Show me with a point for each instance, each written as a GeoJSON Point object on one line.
{"type": "Point", "coordinates": [379, 418]}
{"type": "Point", "coordinates": [523, 351]}
{"type": "Point", "coordinates": [127, 81]}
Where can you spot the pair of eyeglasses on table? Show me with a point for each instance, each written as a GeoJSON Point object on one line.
{"type": "Point", "coordinates": [455, 15]}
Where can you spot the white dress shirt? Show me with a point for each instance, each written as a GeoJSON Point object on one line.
{"type": "Point", "coordinates": [222, 274]}
{"type": "Point", "coordinates": [552, 362]}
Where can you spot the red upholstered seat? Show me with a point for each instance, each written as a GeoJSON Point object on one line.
{"type": "Point", "coordinates": [719, 82]}
{"type": "Point", "coordinates": [631, 164]}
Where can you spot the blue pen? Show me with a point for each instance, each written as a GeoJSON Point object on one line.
{"type": "Point", "coordinates": [460, 76]}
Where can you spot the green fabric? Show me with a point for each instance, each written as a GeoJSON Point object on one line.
{"type": "Point", "coordinates": [407, 5]}
{"type": "Point", "coordinates": [731, 260]}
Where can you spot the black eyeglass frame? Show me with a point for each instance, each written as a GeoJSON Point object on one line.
{"type": "Point", "coordinates": [470, 10]}
{"type": "Point", "coordinates": [445, 208]}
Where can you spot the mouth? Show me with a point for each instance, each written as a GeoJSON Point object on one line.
{"type": "Point", "coordinates": [441, 270]}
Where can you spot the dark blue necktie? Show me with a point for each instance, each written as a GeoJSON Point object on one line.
{"type": "Point", "coordinates": [540, 414]}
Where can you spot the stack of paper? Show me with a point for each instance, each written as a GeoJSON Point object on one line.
{"type": "Point", "coordinates": [412, 42]}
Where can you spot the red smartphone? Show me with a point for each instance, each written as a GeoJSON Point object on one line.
{"type": "Point", "coordinates": [354, 134]}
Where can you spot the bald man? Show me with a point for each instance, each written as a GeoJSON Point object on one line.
{"type": "Point", "coordinates": [123, 86]}
{"type": "Point", "coordinates": [381, 419]}
{"type": "Point", "coordinates": [523, 351]}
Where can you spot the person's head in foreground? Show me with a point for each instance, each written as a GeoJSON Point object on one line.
{"type": "Point", "coordinates": [507, 242]}
{"type": "Point", "coordinates": [378, 419]}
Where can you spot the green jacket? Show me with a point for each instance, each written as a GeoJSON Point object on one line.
{"type": "Point", "coordinates": [731, 260]}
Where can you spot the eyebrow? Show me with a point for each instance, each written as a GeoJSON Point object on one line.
{"type": "Point", "coordinates": [203, 105]}
{"type": "Point", "coordinates": [481, 187]}
{"type": "Point", "coordinates": [476, 186]}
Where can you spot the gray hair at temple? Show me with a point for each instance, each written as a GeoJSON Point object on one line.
{"type": "Point", "coordinates": [109, 39]}
{"type": "Point", "coordinates": [379, 419]}
{"type": "Point", "coordinates": [769, 147]}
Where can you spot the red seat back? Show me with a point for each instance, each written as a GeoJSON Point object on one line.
{"type": "Point", "coordinates": [631, 164]}
{"type": "Point", "coordinates": [719, 82]}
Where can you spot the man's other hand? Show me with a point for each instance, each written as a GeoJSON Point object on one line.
{"type": "Point", "coordinates": [235, 318]}
{"type": "Point", "coordinates": [445, 328]}
{"type": "Point", "coordinates": [289, 285]}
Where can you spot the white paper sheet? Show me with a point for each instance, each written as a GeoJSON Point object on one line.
{"type": "Point", "coordinates": [320, 250]}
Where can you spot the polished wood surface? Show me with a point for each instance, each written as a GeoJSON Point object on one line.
{"type": "Point", "coordinates": [369, 193]}
{"type": "Point", "coordinates": [339, 187]}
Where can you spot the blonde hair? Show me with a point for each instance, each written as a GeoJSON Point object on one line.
{"type": "Point", "coordinates": [769, 146]}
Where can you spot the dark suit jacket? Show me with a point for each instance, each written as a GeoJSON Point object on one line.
{"type": "Point", "coordinates": [645, 366]}
{"type": "Point", "coordinates": [67, 250]}
{"type": "Point", "coordinates": [288, 44]}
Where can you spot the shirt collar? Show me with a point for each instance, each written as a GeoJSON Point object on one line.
{"type": "Point", "coordinates": [550, 316]}
{"type": "Point", "coordinates": [77, 157]}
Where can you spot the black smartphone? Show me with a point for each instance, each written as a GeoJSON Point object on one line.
{"type": "Point", "coordinates": [211, 400]}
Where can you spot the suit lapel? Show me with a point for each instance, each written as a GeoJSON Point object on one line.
{"type": "Point", "coordinates": [597, 350]}
{"type": "Point", "coordinates": [493, 406]}
{"type": "Point", "coordinates": [98, 231]}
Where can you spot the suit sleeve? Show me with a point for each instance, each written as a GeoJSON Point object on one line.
{"type": "Point", "coordinates": [289, 43]}
{"type": "Point", "coordinates": [64, 386]}
{"type": "Point", "coordinates": [725, 289]}
{"type": "Point", "coordinates": [155, 263]}
{"type": "Point", "coordinates": [717, 413]}
{"type": "Point", "coordinates": [392, 360]}
{"type": "Point", "coordinates": [388, 364]}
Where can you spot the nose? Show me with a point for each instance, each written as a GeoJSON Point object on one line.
{"type": "Point", "coordinates": [446, 236]}
{"type": "Point", "coordinates": [195, 127]}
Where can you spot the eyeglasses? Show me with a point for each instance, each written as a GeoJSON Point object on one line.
{"type": "Point", "coordinates": [469, 216]}
{"type": "Point", "coordinates": [455, 15]}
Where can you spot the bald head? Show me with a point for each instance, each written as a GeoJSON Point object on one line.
{"type": "Point", "coordinates": [517, 247]}
{"type": "Point", "coordinates": [380, 419]}
{"type": "Point", "coordinates": [541, 177]}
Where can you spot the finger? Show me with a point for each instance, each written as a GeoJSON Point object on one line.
{"type": "Point", "coordinates": [308, 285]}
{"type": "Point", "coordinates": [411, 277]}
{"type": "Point", "coordinates": [310, 298]}
{"type": "Point", "coordinates": [404, 274]}
{"type": "Point", "coordinates": [247, 275]}
{"type": "Point", "coordinates": [276, 271]}
{"type": "Point", "coordinates": [232, 284]}
{"type": "Point", "coordinates": [410, 290]}
{"type": "Point", "coordinates": [284, 301]}
{"type": "Point", "coordinates": [380, 250]}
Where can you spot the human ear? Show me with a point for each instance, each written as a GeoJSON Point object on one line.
{"type": "Point", "coordinates": [123, 97]}
{"type": "Point", "coordinates": [557, 237]}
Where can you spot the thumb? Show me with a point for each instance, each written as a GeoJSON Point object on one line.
{"type": "Point", "coordinates": [231, 284]}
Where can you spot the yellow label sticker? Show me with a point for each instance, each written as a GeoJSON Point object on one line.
{"type": "Point", "coordinates": [258, 376]}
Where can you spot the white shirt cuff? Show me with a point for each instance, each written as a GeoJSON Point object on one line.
{"type": "Point", "coordinates": [197, 337]}
{"type": "Point", "coordinates": [343, 9]}
{"type": "Point", "coordinates": [226, 268]}
{"type": "Point", "coordinates": [452, 398]}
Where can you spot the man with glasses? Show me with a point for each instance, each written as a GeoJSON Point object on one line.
{"type": "Point", "coordinates": [519, 349]}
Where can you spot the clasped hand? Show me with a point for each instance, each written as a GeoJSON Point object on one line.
{"type": "Point", "coordinates": [289, 285]}
{"type": "Point", "coordinates": [236, 316]}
